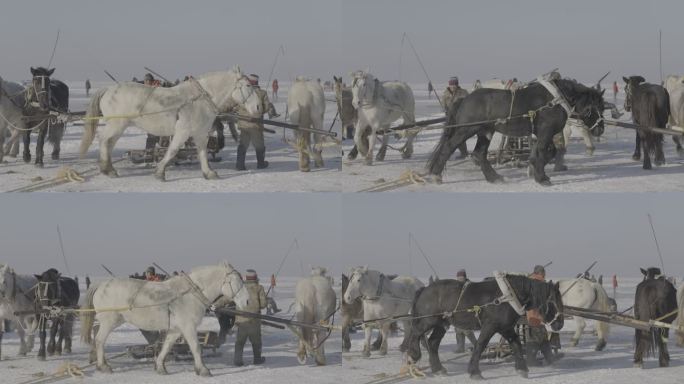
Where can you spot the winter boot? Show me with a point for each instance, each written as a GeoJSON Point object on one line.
{"type": "Point", "coordinates": [261, 155]}
{"type": "Point", "coordinates": [241, 154]}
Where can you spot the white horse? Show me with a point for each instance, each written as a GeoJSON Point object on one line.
{"type": "Point", "coordinates": [315, 301]}
{"type": "Point", "coordinates": [675, 87]}
{"type": "Point", "coordinates": [17, 294]}
{"type": "Point", "coordinates": [379, 104]}
{"type": "Point", "coordinates": [175, 306]}
{"type": "Point", "coordinates": [588, 295]}
{"type": "Point", "coordinates": [383, 299]}
{"type": "Point", "coordinates": [679, 321]}
{"type": "Point", "coordinates": [12, 101]}
{"type": "Point", "coordinates": [306, 108]}
{"type": "Point", "coordinates": [186, 110]}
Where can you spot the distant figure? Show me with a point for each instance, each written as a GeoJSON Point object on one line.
{"type": "Point", "coordinates": [87, 86]}
{"type": "Point", "coordinates": [274, 88]}
{"type": "Point", "coordinates": [477, 85]}
{"type": "Point", "coordinates": [151, 275]}
{"type": "Point", "coordinates": [87, 282]}
{"type": "Point", "coordinates": [430, 89]}
{"type": "Point", "coordinates": [76, 280]}
{"type": "Point", "coordinates": [615, 91]}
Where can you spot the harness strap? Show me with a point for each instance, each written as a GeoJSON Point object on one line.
{"type": "Point", "coordinates": [508, 293]}
{"type": "Point", "coordinates": [558, 99]}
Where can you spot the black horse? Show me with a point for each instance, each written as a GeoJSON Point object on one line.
{"type": "Point", "coordinates": [655, 298]}
{"type": "Point", "coordinates": [650, 107]}
{"type": "Point", "coordinates": [59, 291]}
{"type": "Point", "coordinates": [527, 111]}
{"type": "Point", "coordinates": [45, 95]}
{"type": "Point", "coordinates": [477, 306]}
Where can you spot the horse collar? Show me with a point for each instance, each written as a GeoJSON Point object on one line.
{"type": "Point", "coordinates": [558, 98]}
{"type": "Point", "coordinates": [508, 294]}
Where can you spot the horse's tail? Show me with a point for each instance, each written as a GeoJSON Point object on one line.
{"type": "Point", "coordinates": [55, 133]}
{"type": "Point", "coordinates": [654, 119]}
{"type": "Point", "coordinates": [406, 343]}
{"type": "Point", "coordinates": [88, 316]}
{"type": "Point", "coordinates": [603, 304]}
{"type": "Point", "coordinates": [91, 121]}
{"type": "Point", "coordinates": [440, 155]}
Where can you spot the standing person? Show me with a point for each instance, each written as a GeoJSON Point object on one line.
{"type": "Point", "coordinates": [151, 274]}
{"type": "Point", "coordinates": [250, 328]}
{"type": "Point", "coordinates": [461, 334]}
{"type": "Point", "coordinates": [451, 95]}
{"type": "Point", "coordinates": [87, 87]}
{"type": "Point", "coordinates": [615, 91]}
{"type": "Point", "coordinates": [253, 132]}
{"type": "Point", "coordinates": [87, 282]}
{"type": "Point", "coordinates": [430, 89]}
{"type": "Point", "coordinates": [538, 339]}
{"type": "Point", "coordinates": [274, 88]}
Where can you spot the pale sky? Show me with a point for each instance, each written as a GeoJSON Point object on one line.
{"type": "Point", "coordinates": [479, 232]}
{"type": "Point", "coordinates": [469, 38]}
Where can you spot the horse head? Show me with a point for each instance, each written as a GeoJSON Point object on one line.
{"type": "Point", "coordinates": [232, 286]}
{"type": "Point", "coordinates": [245, 94]}
{"type": "Point", "coordinates": [552, 308]}
{"type": "Point", "coordinates": [41, 87]}
{"type": "Point", "coordinates": [590, 108]}
{"type": "Point", "coordinates": [357, 281]}
{"type": "Point", "coordinates": [318, 271]}
{"type": "Point", "coordinates": [651, 273]}
{"type": "Point", "coordinates": [363, 88]}
{"type": "Point", "coordinates": [49, 287]}
{"type": "Point", "coordinates": [630, 84]}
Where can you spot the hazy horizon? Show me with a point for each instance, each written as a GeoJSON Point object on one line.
{"type": "Point", "coordinates": [471, 39]}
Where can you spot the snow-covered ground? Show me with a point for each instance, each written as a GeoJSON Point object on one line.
{"type": "Point", "coordinates": [580, 364]}
{"type": "Point", "coordinates": [279, 348]}
{"type": "Point", "coordinates": [610, 169]}
{"type": "Point", "coordinates": [282, 175]}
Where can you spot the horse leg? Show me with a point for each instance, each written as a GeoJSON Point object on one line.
{"type": "Point", "coordinates": [12, 146]}
{"type": "Point", "coordinates": [559, 160]}
{"type": "Point", "coordinates": [301, 351]}
{"type": "Point", "coordinates": [68, 333]}
{"type": "Point", "coordinates": [107, 141]}
{"type": "Point", "coordinates": [56, 134]}
{"type": "Point", "coordinates": [27, 144]}
{"type": "Point", "coordinates": [190, 335]}
{"type": "Point", "coordinates": [659, 154]}
{"type": "Point", "coordinates": [486, 334]}
{"type": "Point", "coordinates": [40, 144]}
{"type": "Point", "coordinates": [320, 350]}
{"type": "Point", "coordinates": [661, 340]}
{"type": "Point", "coordinates": [368, 332]}
{"type": "Point", "coordinates": [588, 141]}
{"type": "Point", "coordinates": [541, 156]}
{"type": "Point", "coordinates": [61, 334]}
{"type": "Point", "coordinates": [54, 328]}
{"type": "Point", "coordinates": [42, 334]}
{"type": "Point", "coordinates": [160, 362]}
{"type": "Point", "coordinates": [514, 341]}
{"type": "Point", "coordinates": [580, 324]}
{"type": "Point", "coordinates": [678, 143]}
{"type": "Point", "coordinates": [452, 138]}
{"type": "Point", "coordinates": [646, 149]}
{"type": "Point", "coordinates": [371, 146]}
{"type": "Point", "coordinates": [377, 343]}
{"type": "Point", "coordinates": [637, 148]}
{"type": "Point", "coordinates": [433, 350]}
{"type": "Point", "coordinates": [385, 330]}
{"type": "Point", "coordinates": [2, 331]}
{"type": "Point", "coordinates": [178, 139]}
{"type": "Point", "coordinates": [361, 138]}
{"type": "Point", "coordinates": [108, 321]}
{"type": "Point", "coordinates": [480, 155]}
{"type": "Point", "coordinates": [201, 145]}
{"type": "Point", "coordinates": [407, 152]}
{"type": "Point", "coordinates": [383, 148]}
{"type": "Point", "coordinates": [346, 340]}
{"type": "Point", "coordinates": [641, 338]}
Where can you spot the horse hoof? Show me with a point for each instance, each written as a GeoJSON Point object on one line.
{"type": "Point", "coordinates": [496, 180]}
{"type": "Point", "coordinates": [368, 161]}
{"type": "Point", "coordinates": [27, 159]}
{"type": "Point", "coordinates": [435, 179]}
{"type": "Point", "coordinates": [521, 373]}
{"type": "Point", "coordinates": [639, 365]}
{"type": "Point", "coordinates": [664, 364]}
{"type": "Point", "coordinates": [589, 153]}
{"type": "Point", "coordinates": [105, 369]}
{"type": "Point", "coordinates": [204, 372]}
{"type": "Point", "coordinates": [345, 349]}
{"type": "Point", "coordinates": [406, 155]}
{"type": "Point", "coordinates": [647, 167]}
{"type": "Point", "coordinates": [560, 168]}
{"type": "Point", "coordinates": [380, 157]}
{"type": "Point", "coordinates": [160, 176]}
{"type": "Point", "coordinates": [301, 359]}
{"type": "Point", "coordinates": [440, 372]}
{"type": "Point", "coordinates": [545, 183]}
{"type": "Point", "coordinates": [383, 352]}
{"type": "Point", "coordinates": [304, 169]}
{"type": "Point", "coordinates": [211, 175]}
{"type": "Point", "coordinates": [574, 342]}
{"type": "Point", "coordinates": [55, 156]}
{"type": "Point", "coordinates": [600, 345]}
{"type": "Point", "coordinates": [636, 157]}
{"type": "Point", "coordinates": [476, 376]}
{"type": "Point", "coordinates": [41, 358]}
{"type": "Point", "coordinates": [351, 156]}
{"type": "Point", "coordinates": [365, 353]}
{"type": "Point", "coordinates": [39, 165]}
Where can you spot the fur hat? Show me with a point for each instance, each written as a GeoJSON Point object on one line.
{"type": "Point", "coordinates": [150, 270]}
{"type": "Point", "coordinates": [251, 275]}
{"type": "Point", "coordinates": [148, 77]}
{"type": "Point", "coordinates": [461, 273]}
{"type": "Point", "coordinates": [539, 270]}
{"type": "Point", "coordinates": [453, 81]}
